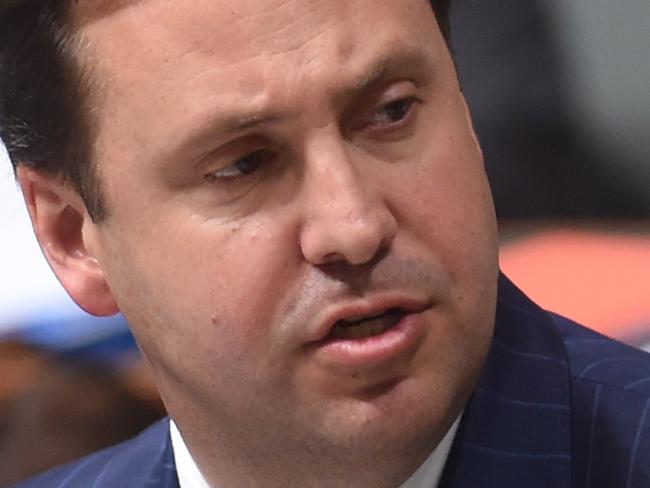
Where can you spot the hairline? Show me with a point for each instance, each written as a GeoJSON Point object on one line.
{"type": "Point", "coordinates": [77, 58]}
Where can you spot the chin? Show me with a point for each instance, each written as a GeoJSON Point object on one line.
{"type": "Point", "coordinates": [400, 425]}
{"type": "Point", "coordinates": [386, 444]}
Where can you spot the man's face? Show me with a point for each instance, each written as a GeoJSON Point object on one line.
{"type": "Point", "coordinates": [272, 169]}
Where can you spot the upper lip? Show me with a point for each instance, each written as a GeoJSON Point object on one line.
{"type": "Point", "coordinates": [363, 308]}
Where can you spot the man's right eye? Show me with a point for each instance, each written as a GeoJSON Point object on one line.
{"type": "Point", "coordinates": [240, 167]}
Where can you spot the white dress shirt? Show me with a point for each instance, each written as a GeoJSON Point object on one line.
{"type": "Point", "coordinates": [426, 476]}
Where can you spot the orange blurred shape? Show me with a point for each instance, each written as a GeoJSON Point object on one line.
{"type": "Point", "coordinates": [601, 280]}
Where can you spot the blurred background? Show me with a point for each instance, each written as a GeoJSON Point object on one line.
{"type": "Point", "coordinates": [560, 95]}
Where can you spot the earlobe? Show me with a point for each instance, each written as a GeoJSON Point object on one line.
{"type": "Point", "coordinates": [58, 217]}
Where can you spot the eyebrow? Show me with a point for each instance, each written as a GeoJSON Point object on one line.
{"type": "Point", "coordinates": [398, 58]}
{"type": "Point", "coordinates": [241, 122]}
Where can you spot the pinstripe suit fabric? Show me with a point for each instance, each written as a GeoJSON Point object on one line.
{"type": "Point", "coordinates": [147, 461]}
{"type": "Point", "coordinates": [557, 406]}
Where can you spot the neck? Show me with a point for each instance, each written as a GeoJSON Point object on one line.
{"type": "Point", "coordinates": [282, 467]}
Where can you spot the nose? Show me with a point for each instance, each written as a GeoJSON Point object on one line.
{"type": "Point", "coordinates": [345, 218]}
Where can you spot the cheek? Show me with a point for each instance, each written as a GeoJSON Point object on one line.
{"type": "Point", "coordinates": [237, 287]}
{"type": "Point", "coordinates": [445, 194]}
{"type": "Point", "coordinates": [247, 264]}
{"type": "Point", "coordinates": [204, 284]}
{"type": "Point", "coordinates": [445, 210]}
{"type": "Point", "coordinates": [203, 298]}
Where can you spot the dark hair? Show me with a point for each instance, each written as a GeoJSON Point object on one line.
{"type": "Point", "coordinates": [43, 87]}
{"type": "Point", "coordinates": [442, 8]}
{"type": "Point", "coordinates": [42, 90]}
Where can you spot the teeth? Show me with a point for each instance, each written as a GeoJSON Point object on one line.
{"type": "Point", "coordinates": [365, 328]}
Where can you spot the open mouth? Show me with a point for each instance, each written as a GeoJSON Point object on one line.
{"type": "Point", "coordinates": [355, 328]}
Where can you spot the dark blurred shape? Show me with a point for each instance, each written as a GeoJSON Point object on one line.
{"type": "Point", "coordinates": [594, 273]}
{"type": "Point", "coordinates": [54, 409]}
{"type": "Point", "coordinates": [511, 77]}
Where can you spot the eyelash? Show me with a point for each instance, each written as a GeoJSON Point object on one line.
{"type": "Point", "coordinates": [411, 101]}
{"type": "Point", "coordinates": [379, 129]}
{"type": "Point", "coordinates": [231, 172]}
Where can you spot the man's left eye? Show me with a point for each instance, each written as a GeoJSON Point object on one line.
{"type": "Point", "coordinates": [394, 112]}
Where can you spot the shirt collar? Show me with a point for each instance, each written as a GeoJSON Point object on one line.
{"type": "Point", "coordinates": [189, 475]}
{"type": "Point", "coordinates": [426, 476]}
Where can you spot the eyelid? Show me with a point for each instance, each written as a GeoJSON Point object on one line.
{"type": "Point", "coordinates": [398, 89]}
{"type": "Point", "coordinates": [214, 175]}
{"type": "Point", "coordinates": [213, 171]}
{"type": "Point", "coordinates": [224, 155]}
{"type": "Point", "coordinates": [373, 126]}
{"type": "Point", "coordinates": [230, 172]}
{"type": "Point", "coordinates": [389, 93]}
{"type": "Point", "coordinates": [411, 100]}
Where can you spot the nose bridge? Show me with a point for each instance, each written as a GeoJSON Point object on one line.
{"type": "Point", "coordinates": [335, 183]}
{"type": "Point", "coordinates": [345, 216]}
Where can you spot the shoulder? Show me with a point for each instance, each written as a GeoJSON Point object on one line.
{"type": "Point", "coordinates": [603, 362]}
{"type": "Point", "coordinates": [610, 408]}
{"type": "Point", "coordinates": [129, 464]}
{"type": "Point", "coordinates": [591, 358]}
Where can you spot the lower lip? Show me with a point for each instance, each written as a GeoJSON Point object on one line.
{"type": "Point", "coordinates": [399, 341]}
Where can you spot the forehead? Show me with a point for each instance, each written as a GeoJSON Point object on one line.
{"type": "Point", "coordinates": [168, 64]}
{"type": "Point", "coordinates": [236, 30]}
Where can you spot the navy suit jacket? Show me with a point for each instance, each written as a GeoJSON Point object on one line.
{"type": "Point", "coordinates": [557, 406]}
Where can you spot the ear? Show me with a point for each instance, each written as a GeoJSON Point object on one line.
{"type": "Point", "coordinates": [61, 224]}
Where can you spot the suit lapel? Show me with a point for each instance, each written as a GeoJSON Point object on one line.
{"type": "Point", "coordinates": [162, 471]}
{"type": "Point", "coordinates": [516, 428]}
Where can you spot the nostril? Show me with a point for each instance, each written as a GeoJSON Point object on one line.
{"type": "Point", "coordinates": [332, 257]}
